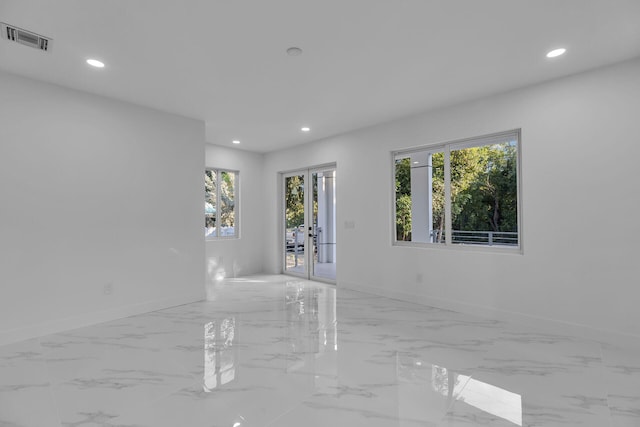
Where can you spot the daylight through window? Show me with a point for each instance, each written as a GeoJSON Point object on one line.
{"type": "Point", "coordinates": [220, 203]}
{"type": "Point", "coordinates": [460, 193]}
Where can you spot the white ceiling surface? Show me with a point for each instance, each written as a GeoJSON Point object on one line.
{"type": "Point", "coordinates": [364, 61]}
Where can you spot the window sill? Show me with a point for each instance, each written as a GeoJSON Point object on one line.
{"type": "Point", "coordinates": [507, 250]}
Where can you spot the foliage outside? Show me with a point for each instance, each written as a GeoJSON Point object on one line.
{"type": "Point", "coordinates": [483, 190]}
{"type": "Point", "coordinates": [227, 185]}
{"type": "Point", "coordinates": [294, 200]}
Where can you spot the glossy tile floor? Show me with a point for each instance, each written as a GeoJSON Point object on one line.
{"type": "Point", "coordinates": [275, 351]}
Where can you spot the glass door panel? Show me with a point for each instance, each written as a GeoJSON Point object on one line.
{"type": "Point", "coordinates": [294, 219]}
{"type": "Point", "coordinates": [310, 223]}
{"type": "Point", "coordinates": [323, 212]}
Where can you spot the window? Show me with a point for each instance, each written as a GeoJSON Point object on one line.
{"type": "Point", "coordinates": [459, 193]}
{"type": "Point", "coordinates": [220, 203]}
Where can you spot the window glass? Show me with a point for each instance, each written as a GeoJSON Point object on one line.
{"type": "Point", "coordinates": [220, 204]}
{"type": "Point", "coordinates": [227, 203]}
{"type": "Point", "coordinates": [475, 181]}
{"type": "Point", "coordinates": [484, 195]}
{"type": "Point", "coordinates": [210, 205]}
{"type": "Point", "coordinates": [420, 213]}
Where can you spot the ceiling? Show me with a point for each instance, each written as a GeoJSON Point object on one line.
{"type": "Point", "coordinates": [363, 61]}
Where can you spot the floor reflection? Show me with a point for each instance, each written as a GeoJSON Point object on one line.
{"type": "Point", "coordinates": [312, 332]}
{"type": "Point", "coordinates": [311, 318]}
{"type": "Point", "coordinates": [493, 400]}
{"type": "Point", "coordinates": [428, 392]}
{"type": "Point", "coordinates": [219, 353]}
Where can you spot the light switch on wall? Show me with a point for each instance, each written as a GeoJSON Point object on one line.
{"type": "Point", "coordinates": [351, 224]}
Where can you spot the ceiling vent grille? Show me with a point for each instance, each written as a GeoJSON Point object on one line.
{"type": "Point", "coordinates": [25, 37]}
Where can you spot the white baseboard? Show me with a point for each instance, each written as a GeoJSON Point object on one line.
{"type": "Point", "coordinates": [88, 319]}
{"type": "Point", "coordinates": [541, 324]}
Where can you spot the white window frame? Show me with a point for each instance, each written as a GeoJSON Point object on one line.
{"type": "Point", "coordinates": [447, 147]}
{"type": "Point", "coordinates": [236, 203]}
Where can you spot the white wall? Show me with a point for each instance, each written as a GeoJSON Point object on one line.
{"type": "Point", "coordinates": [580, 177]}
{"type": "Point", "coordinates": [243, 256]}
{"type": "Point", "coordinates": [94, 192]}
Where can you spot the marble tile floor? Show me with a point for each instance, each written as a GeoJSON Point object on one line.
{"type": "Point", "coordinates": [277, 351]}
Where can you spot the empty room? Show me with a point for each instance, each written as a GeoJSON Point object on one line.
{"type": "Point", "coordinates": [379, 213]}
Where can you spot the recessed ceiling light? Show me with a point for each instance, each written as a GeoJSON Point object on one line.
{"type": "Point", "coordinates": [95, 63]}
{"type": "Point", "coordinates": [556, 52]}
{"type": "Point", "coordinates": [305, 129]}
{"type": "Point", "coordinates": [235, 141]}
{"type": "Point", "coordinates": [416, 162]}
{"type": "Point", "coordinates": [294, 51]}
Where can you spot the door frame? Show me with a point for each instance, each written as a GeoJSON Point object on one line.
{"type": "Point", "coordinates": [307, 173]}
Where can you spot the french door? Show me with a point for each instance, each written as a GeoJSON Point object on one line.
{"type": "Point", "coordinates": [309, 219]}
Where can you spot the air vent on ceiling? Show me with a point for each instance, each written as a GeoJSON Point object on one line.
{"type": "Point", "coordinates": [25, 37]}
